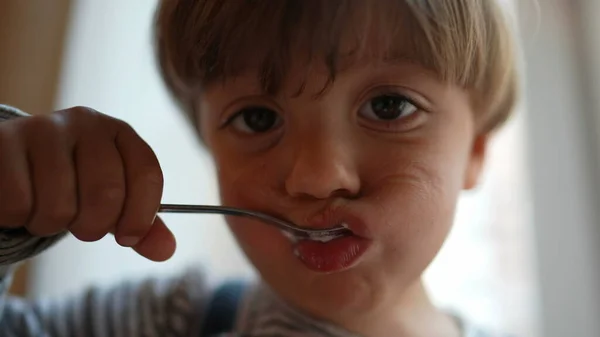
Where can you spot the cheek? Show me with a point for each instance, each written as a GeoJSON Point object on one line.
{"type": "Point", "coordinates": [266, 248]}
{"type": "Point", "coordinates": [248, 184]}
{"type": "Point", "coordinates": [413, 195]}
{"type": "Point", "coordinates": [245, 183]}
{"type": "Point", "coordinates": [413, 202]}
{"type": "Point", "coordinates": [261, 243]}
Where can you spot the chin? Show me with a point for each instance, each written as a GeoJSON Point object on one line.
{"type": "Point", "coordinates": [329, 296]}
{"type": "Point", "coordinates": [347, 293]}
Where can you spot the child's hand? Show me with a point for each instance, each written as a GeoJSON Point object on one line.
{"type": "Point", "coordinates": [81, 171]}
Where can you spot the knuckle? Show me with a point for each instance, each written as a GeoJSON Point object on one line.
{"type": "Point", "coordinates": [80, 111]}
{"type": "Point", "coordinates": [40, 131]}
{"type": "Point", "coordinates": [41, 126]}
{"type": "Point", "coordinates": [79, 116]}
{"type": "Point", "coordinates": [106, 194]}
{"type": "Point", "coordinates": [123, 126]}
{"type": "Point", "coordinates": [92, 121]}
{"type": "Point", "coordinates": [153, 175]}
{"type": "Point", "coordinates": [14, 211]}
{"type": "Point", "coordinates": [119, 128]}
{"type": "Point", "coordinates": [59, 216]}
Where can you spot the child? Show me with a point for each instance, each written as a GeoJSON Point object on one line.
{"type": "Point", "coordinates": [374, 114]}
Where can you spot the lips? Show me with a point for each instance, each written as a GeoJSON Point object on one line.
{"type": "Point", "coordinates": [338, 254]}
{"type": "Point", "coordinates": [333, 256]}
{"type": "Point", "coordinates": [332, 218]}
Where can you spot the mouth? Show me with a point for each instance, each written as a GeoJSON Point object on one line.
{"type": "Point", "coordinates": [332, 256]}
{"type": "Point", "coordinates": [322, 235]}
{"type": "Point", "coordinates": [329, 254]}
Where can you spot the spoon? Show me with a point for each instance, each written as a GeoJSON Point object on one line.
{"type": "Point", "coordinates": [322, 235]}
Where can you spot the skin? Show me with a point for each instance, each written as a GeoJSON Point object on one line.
{"type": "Point", "coordinates": [402, 177]}
{"type": "Point", "coordinates": [81, 171]}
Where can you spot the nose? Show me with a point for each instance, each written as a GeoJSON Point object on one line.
{"type": "Point", "coordinates": [323, 167]}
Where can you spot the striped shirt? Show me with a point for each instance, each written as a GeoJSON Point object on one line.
{"type": "Point", "coordinates": [174, 307]}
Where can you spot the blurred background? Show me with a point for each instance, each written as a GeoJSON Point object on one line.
{"type": "Point", "coordinates": [524, 256]}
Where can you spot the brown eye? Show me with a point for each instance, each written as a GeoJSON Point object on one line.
{"type": "Point", "coordinates": [387, 108]}
{"type": "Point", "coordinates": [256, 120]}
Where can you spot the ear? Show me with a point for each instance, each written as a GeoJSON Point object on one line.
{"type": "Point", "coordinates": [476, 161]}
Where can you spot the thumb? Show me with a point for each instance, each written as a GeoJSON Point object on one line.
{"type": "Point", "coordinates": [159, 244]}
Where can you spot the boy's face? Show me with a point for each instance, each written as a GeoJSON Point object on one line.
{"type": "Point", "coordinates": [386, 149]}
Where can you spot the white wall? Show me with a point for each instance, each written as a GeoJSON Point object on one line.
{"type": "Point", "coordinates": [590, 27]}
{"type": "Point", "coordinates": [109, 66]}
{"type": "Point", "coordinates": [562, 159]}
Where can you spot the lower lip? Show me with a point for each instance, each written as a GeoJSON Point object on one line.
{"type": "Point", "coordinates": [333, 256]}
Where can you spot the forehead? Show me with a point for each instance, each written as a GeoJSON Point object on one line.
{"type": "Point", "coordinates": [313, 82]}
{"type": "Point", "coordinates": [327, 36]}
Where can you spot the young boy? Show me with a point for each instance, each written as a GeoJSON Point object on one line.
{"type": "Point", "coordinates": [374, 114]}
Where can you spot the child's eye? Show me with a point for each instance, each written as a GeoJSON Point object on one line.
{"type": "Point", "coordinates": [387, 108]}
{"type": "Point", "coordinates": [255, 120]}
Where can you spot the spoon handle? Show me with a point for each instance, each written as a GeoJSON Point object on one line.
{"type": "Point", "coordinates": [290, 228]}
{"type": "Point", "coordinates": [205, 209]}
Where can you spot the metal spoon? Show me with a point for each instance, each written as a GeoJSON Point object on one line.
{"type": "Point", "coordinates": [323, 235]}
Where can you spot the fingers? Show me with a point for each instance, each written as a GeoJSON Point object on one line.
{"type": "Point", "coordinates": [82, 171]}
{"type": "Point", "coordinates": [144, 184]}
{"type": "Point", "coordinates": [53, 176]}
{"type": "Point", "coordinates": [16, 198]}
{"type": "Point", "coordinates": [158, 244]}
{"type": "Point", "coordinates": [101, 187]}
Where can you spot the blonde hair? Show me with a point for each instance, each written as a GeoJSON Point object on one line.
{"type": "Point", "coordinates": [466, 42]}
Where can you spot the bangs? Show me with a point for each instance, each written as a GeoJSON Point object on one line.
{"type": "Point", "coordinates": [203, 41]}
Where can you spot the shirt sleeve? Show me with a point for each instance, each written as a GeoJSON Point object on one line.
{"type": "Point", "coordinates": [150, 308]}
{"type": "Point", "coordinates": [8, 112]}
